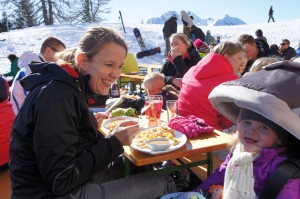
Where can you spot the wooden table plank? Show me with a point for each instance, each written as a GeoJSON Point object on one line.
{"type": "Point", "coordinates": [134, 77]}
{"type": "Point", "coordinates": [203, 144]}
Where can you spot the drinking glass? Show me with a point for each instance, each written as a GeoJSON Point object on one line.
{"type": "Point", "coordinates": [172, 109]}
{"type": "Point", "coordinates": [154, 111]}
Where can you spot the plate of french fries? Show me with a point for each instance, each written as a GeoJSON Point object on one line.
{"type": "Point", "coordinates": [112, 123]}
{"type": "Point", "coordinates": [177, 138]}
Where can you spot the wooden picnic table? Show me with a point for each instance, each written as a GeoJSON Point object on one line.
{"type": "Point", "coordinates": [205, 143]}
{"type": "Point", "coordinates": [150, 67]}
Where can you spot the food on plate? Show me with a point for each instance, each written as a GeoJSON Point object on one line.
{"type": "Point", "coordinates": [156, 132]}
{"type": "Point", "coordinates": [133, 101]}
{"type": "Point", "coordinates": [112, 125]}
{"type": "Point", "coordinates": [132, 97]}
{"type": "Point", "coordinates": [123, 111]}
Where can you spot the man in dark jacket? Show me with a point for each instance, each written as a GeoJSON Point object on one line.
{"type": "Point", "coordinates": [286, 51]}
{"type": "Point", "coordinates": [197, 33]}
{"type": "Point", "coordinates": [254, 49]}
{"type": "Point", "coordinates": [169, 28]}
{"type": "Point", "coordinates": [271, 14]}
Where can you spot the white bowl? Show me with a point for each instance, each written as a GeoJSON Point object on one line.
{"type": "Point", "coordinates": [159, 144]}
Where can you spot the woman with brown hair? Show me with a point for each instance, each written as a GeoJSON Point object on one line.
{"type": "Point", "coordinates": [56, 148]}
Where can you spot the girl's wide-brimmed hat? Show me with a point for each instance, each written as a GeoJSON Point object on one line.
{"type": "Point", "coordinates": [273, 92]}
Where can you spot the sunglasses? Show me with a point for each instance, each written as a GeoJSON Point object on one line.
{"type": "Point", "coordinates": [55, 50]}
{"type": "Point", "coordinates": [282, 44]}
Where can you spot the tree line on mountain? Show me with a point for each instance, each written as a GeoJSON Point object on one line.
{"type": "Point", "coordinates": [20, 14]}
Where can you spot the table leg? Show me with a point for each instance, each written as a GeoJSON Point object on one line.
{"type": "Point", "coordinates": [127, 167]}
{"type": "Point", "coordinates": [210, 164]}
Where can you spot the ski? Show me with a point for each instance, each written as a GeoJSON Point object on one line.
{"type": "Point", "coordinates": [139, 39]}
{"type": "Point", "coordinates": [144, 51]}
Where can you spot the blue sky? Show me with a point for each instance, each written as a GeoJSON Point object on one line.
{"type": "Point", "coordinates": [250, 11]}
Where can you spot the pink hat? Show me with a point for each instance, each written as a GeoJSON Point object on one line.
{"type": "Point", "coordinates": [198, 43]}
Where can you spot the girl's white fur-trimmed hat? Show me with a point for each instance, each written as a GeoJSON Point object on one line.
{"type": "Point", "coordinates": [273, 92]}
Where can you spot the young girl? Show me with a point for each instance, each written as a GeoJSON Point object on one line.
{"type": "Point", "coordinates": [267, 130]}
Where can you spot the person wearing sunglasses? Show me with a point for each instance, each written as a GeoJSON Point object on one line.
{"type": "Point", "coordinates": [49, 47]}
{"type": "Point", "coordinates": [286, 51]}
{"type": "Point", "coordinates": [253, 48]}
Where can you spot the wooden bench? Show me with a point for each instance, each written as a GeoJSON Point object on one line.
{"type": "Point", "coordinates": [201, 171]}
{"type": "Point", "coordinates": [5, 188]}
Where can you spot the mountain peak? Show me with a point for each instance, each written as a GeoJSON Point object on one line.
{"type": "Point", "coordinates": [225, 21]}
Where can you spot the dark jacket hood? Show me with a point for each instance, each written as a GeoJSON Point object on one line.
{"type": "Point", "coordinates": [43, 73]}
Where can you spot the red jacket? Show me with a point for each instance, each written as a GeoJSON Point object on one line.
{"type": "Point", "coordinates": [7, 117]}
{"type": "Point", "coordinates": [196, 85]}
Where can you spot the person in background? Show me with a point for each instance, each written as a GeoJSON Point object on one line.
{"type": "Point", "coordinates": [298, 50]}
{"type": "Point", "coordinates": [201, 47]}
{"type": "Point", "coordinates": [7, 117]}
{"type": "Point", "coordinates": [218, 39]}
{"type": "Point", "coordinates": [264, 138]}
{"type": "Point", "coordinates": [259, 35]}
{"type": "Point", "coordinates": [181, 58]}
{"type": "Point", "coordinates": [50, 46]}
{"type": "Point", "coordinates": [261, 62]}
{"type": "Point", "coordinates": [274, 51]}
{"type": "Point", "coordinates": [271, 11]}
{"type": "Point", "coordinates": [154, 84]}
{"type": "Point", "coordinates": [242, 66]}
{"type": "Point", "coordinates": [218, 66]}
{"type": "Point", "coordinates": [286, 51]}
{"type": "Point", "coordinates": [254, 49]}
{"type": "Point", "coordinates": [170, 27]}
{"type": "Point", "coordinates": [209, 39]}
{"type": "Point", "coordinates": [196, 33]}
{"type": "Point", "coordinates": [13, 67]}
{"type": "Point", "coordinates": [56, 149]}
{"type": "Point", "coordinates": [187, 23]}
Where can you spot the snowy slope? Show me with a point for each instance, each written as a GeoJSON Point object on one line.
{"type": "Point", "coordinates": [29, 39]}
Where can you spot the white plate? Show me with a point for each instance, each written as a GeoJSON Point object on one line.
{"type": "Point", "coordinates": [106, 122]}
{"type": "Point", "coordinates": [182, 137]}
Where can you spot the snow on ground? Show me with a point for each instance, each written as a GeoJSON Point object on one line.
{"type": "Point", "coordinates": [30, 39]}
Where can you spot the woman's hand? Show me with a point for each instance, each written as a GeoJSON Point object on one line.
{"type": "Point", "coordinates": [100, 117]}
{"type": "Point", "coordinates": [174, 52]}
{"type": "Point", "coordinates": [126, 131]}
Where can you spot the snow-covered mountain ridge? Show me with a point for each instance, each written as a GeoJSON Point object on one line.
{"type": "Point", "coordinates": [224, 21]}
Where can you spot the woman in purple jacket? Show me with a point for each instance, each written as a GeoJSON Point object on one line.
{"type": "Point", "coordinates": [268, 131]}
